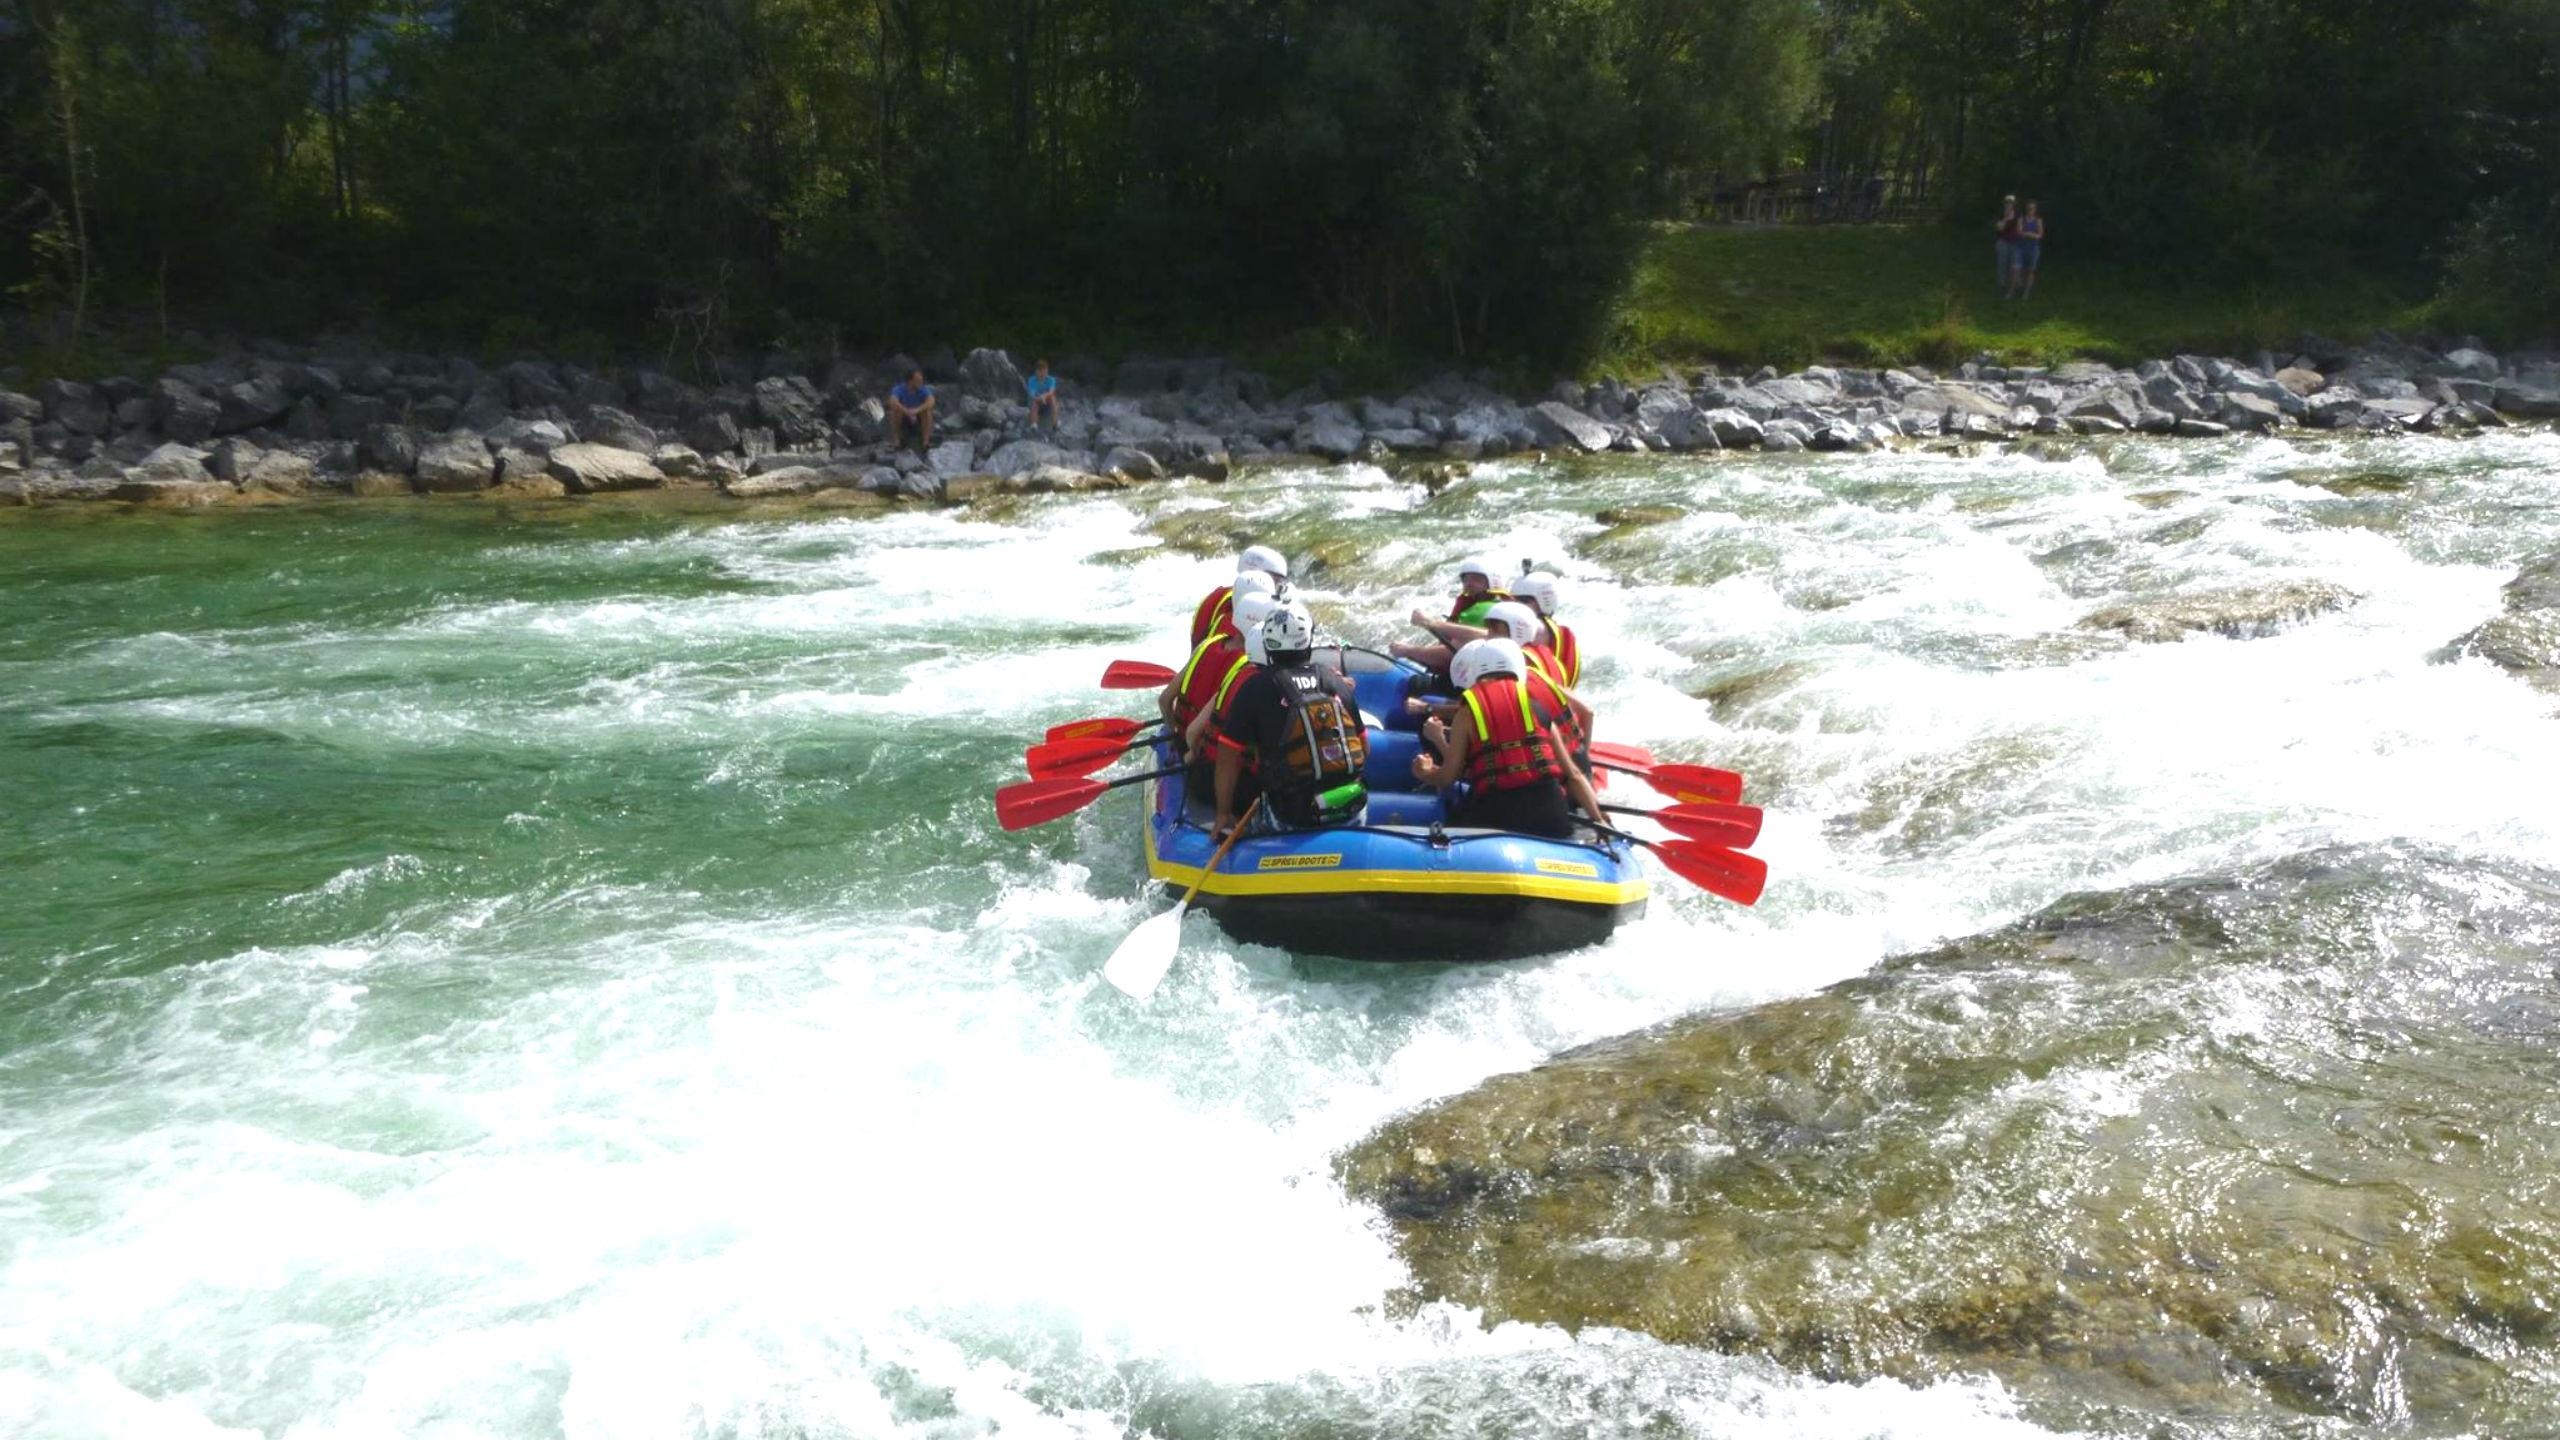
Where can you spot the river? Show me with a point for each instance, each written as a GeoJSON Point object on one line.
{"type": "Point", "coordinates": [551, 970]}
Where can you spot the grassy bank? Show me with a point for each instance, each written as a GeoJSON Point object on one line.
{"type": "Point", "coordinates": [1901, 294]}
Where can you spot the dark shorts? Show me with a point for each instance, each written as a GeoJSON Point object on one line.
{"type": "Point", "coordinates": [1531, 810]}
{"type": "Point", "coordinates": [2025, 253]}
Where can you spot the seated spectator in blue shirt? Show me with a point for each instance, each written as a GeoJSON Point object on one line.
{"type": "Point", "coordinates": [1043, 389]}
{"type": "Point", "coordinates": [911, 408]}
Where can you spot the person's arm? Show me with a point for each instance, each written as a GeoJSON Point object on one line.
{"type": "Point", "coordinates": [1582, 711]}
{"type": "Point", "coordinates": [929, 397]}
{"type": "Point", "coordinates": [1453, 634]}
{"type": "Point", "coordinates": [1438, 773]}
{"type": "Point", "coordinates": [1577, 785]}
{"type": "Point", "coordinates": [1164, 704]}
{"type": "Point", "coordinates": [1198, 731]}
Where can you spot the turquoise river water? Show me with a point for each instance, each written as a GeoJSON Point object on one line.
{"type": "Point", "coordinates": [471, 970]}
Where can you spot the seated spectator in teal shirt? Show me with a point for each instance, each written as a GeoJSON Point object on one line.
{"type": "Point", "coordinates": [1043, 389]}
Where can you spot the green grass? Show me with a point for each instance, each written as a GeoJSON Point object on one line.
{"type": "Point", "coordinates": [1883, 294]}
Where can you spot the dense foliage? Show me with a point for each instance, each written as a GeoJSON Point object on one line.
{"type": "Point", "coordinates": [1458, 176]}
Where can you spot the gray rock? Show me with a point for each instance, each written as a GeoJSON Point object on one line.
{"type": "Point", "coordinates": [1019, 456]}
{"type": "Point", "coordinates": [520, 469]}
{"type": "Point", "coordinates": [2524, 637]}
{"type": "Point", "coordinates": [2114, 405]}
{"type": "Point", "coordinates": [485, 411]}
{"type": "Point", "coordinates": [390, 448]}
{"type": "Point", "coordinates": [280, 472]}
{"type": "Point", "coordinates": [1132, 462]}
{"type": "Point", "coordinates": [182, 412]}
{"type": "Point", "coordinates": [1785, 435]}
{"type": "Point", "coordinates": [992, 375]}
{"type": "Point", "coordinates": [789, 405]}
{"type": "Point", "coordinates": [1558, 424]}
{"type": "Point", "coordinates": [951, 457]}
{"type": "Point", "coordinates": [2200, 429]}
{"type": "Point", "coordinates": [788, 480]}
{"type": "Point", "coordinates": [354, 413]}
{"type": "Point", "coordinates": [455, 463]}
{"type": "Point", "coordinates": [2096, 424]}
{"type": "Point", "coordinates": [1732, 428]}
{"type": "Point", "coordinates": [2244, 411]}
{"type": "Point", "coordinates": [232, 460]}
{"type": "Point", "coordinates": [259, 400]}
{"type": "Point", "coordinates": [1670, 414]}
{"type": "Point", "coordinates": [620, 429]}
{"type": "Point", "coordinates": [1329, 432]}
{"type": "Point", "coordinates": [15, 408]}
{"type": "Point", "coordinates": [75, 407]}
{"type": "Point", "coordinates": [2303, 382]}
{"type": "Point", "coordinates": [2239, 613]}
{"type": "Point", "coordinates": [531, 384]}
{"type": "Point", "coordinates": [587, 468]}
{"type": "Point", "coordinates": [541, 437]}
{"type": "Point", "coordinates": [173, 461]}
{"type": "Point", "coordinates": [2528, 399]}
{"type": "Point", "coordinates": [2467, 364]}
{"type": "Point", "coordinates": [1145, 375]}
{"type": "Point", "coordinates": [679, 462]}
{"type": "Point", "coordinates": [712, 432]}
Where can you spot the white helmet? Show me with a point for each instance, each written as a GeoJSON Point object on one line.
{"type": "Point", "coordinates": [1287, 630]}
{"type": "Point", "coordinates": [1519, 619]}
{"type": "Point", "coordinates": [1480, 658]}
{"type": "Point", "coordinates": [1254, 582]}
{"type": "Point", "coordinates": [1265, 559]}
{"type": "Point", "coordinates": [1247, 615]}
{"type": "Point", "coordinates": [1538, 590]}
{"type": "Point", "coordinates": [1485, 568]}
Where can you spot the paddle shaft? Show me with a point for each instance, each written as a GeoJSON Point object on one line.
{"type": "Point", "coordinates": [1221, 853]}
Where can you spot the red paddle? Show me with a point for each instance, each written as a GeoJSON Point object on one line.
{"type": "Point", "coordinates": [1733, 825]}
{"type": "Point", "coordinates": [1037, 802]}
{"type": "Point", "coordinates": [1684, 784]}
{"type": "Point", "coordinates": [1101, 727]}
{"type": "Point", "coordinates": [1135, 675]}
{"type": "Point", "coordinates": [1077, 757]}
{"type": "Point", "coordinates": [1727, 873]}
{"type": "Point", "coordinates": [1622, 754]}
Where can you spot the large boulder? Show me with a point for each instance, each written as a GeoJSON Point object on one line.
{"type": "Point", "coordinates": [1558, 424]}
{"type": "Point", "coordinates": [2529, 397]}
{"type": "Point", "coordinates": [2113, 405]}
{"type": "Point", "coordinates": [258, 400]}
{"type": "Point", "coordinates": [182, 412]}
{"type": "Point", "coordinates": [1018, 456]}
{"type": "Point", "coordinates": [620, 429]}
{"type": "Point", "coordinates": [538, 436]}
{"type": "Point", "coordinates": [789, 405]}
{"type": "Point", "coordinates": [1669, 413]}
{"type": "Point", "coordinates": [279, 472]}
{"type": "Point", "coordinates": [991, 375]}
{"type": "Point", "coordinates": [390, 448]}
{"type": "Point", "coordinates": [2525, 637]}
{"type": "Point", "coordinates": [951, 457]}
{"type": "Point", "coordinates": [75, 407]}
{"type": "Point", "coordinates": [533, 385]}
{"type": "Point", "coordinates": [1132, 463]}
{"type": "Point", "coordinates": [2467, 364]}
{"type": "Point", "coordinates": [586, 468]}
{"type": "Point", "coordinates": [1328, 431]}
{"type": "Point", "coordinates": [455, 463]}
{"type": "Point", "coordinates": [787, 480]}
{"type": "Point", "coordinates": [1732, 428]}
{"type": "Point", "coordinates": [2244, 411]}
{"type": "Point", "coordinates": [713, 432]}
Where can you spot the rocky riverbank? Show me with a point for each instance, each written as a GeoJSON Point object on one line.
{"type": "Point", "coordinates": [278, 422]}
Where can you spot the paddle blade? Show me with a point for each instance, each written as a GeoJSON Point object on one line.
{"type": "Point", "coordinates": [1696, 784]}
{"type": "Point", "coordinates": [1106, 727]}
{"type": "Point", "coordinates": [1037, 802]}
{"type": "Point", "coordinates": [1072, 757]}
{"type": "Point", "coordinates": [1729, 873]}
{"type": "Point", "coordinates": [1633, 756]}
{"type": "Point", "coordinates": [1138, 966]}
{"type": "Point", "coordinates": [1734, 825]}
{"type": "Point", "coordinates": [1135, 675]}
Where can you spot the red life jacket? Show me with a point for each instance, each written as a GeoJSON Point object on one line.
{"type": "Point", "coordinates": [1510, 748]}
{"type": "Point", "coordinates": [1568, 654]}
{"type": "Point", "coordinates": [1213, 613]}
{"type": "Point", "coordinates": [1201, 680]}
{"type": "Point", "coordinates": [1547, 691]}
{"type": "Point", "coordinates": [1242, 670]}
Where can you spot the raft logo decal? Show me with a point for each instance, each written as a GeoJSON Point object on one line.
{"type": "Point", "coordinates": [1569, 867]}
{"type": "Point", "coordinates": [1299, 862]}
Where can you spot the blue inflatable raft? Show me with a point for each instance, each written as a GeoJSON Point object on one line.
{"type": "Point", "coordinates": [1402, 884]}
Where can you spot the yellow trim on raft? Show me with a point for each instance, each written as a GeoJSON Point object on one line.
{"type": "Point", "coordinates": [1246, 884]}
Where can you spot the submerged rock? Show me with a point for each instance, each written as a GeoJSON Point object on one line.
{"type": "Point", "coordinates": [2526, 638]}
{"type": "Point", "coordinates": [2240, 613]}
{"type": "Point", "coordinates": [2257, 1144]}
